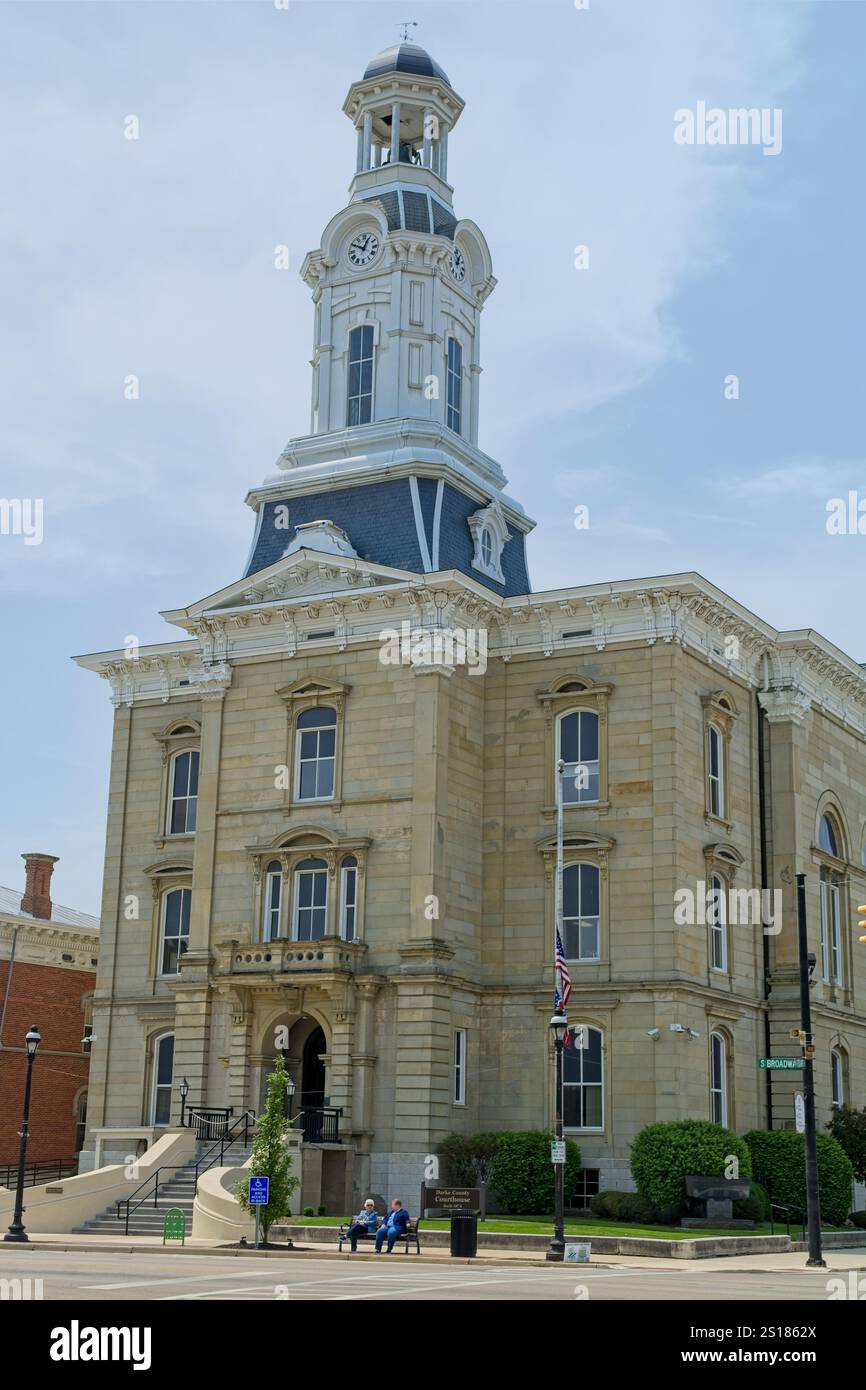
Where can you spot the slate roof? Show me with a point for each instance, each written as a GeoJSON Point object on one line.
{"type": "Point", "coordinates": [405, 57]}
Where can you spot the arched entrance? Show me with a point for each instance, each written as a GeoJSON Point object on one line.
{"type": "Point", "coordinates": [313, 1071]}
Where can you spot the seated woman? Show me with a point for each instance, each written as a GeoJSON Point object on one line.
{"type": "Point", "coordinates": [365, 1221]}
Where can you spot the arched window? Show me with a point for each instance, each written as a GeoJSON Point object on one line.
{"type": "Point", "coordinates": [837, 1073]}
{"type": "Point", "coordinates": [315, 754]}
{"type": "Point", "coordinates": [162, 1068]}
{"type": "Point", "coordinates": [718, 918]}
{"type": "Point", "coordinates": [359, 410]}
{"type": "Point", "coordinates": [718, 1079]}
{"type": "Point", "coordinates": [581, 912]}
{"type": "Point", "coordinates": [830, 904]}
{"type": "Point", "coordinates": [183, 800]}
{"type": "Point", "coordinates": [454, 394]}
{"type": "Point", "coordinates": [715, 772]}
{"type": "Point", "coordinates": [577, 747]}
{"type": "Point", "coordinates": [486, 547]}
{"type": "Point", "coordinates": [272, 900]}
{"type": "Point", "coordinates": [174, 938]}
{"type": "Point", "coordinates": [583, 1080]}
{"type": "Point", "coordinates": [348, 897]}
{"type": "Point", "coordinates": [828, 840]}
{"type": "Point", "coordinates": [311, 899]}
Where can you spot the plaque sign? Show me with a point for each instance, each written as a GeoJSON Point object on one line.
{"type": "Point", "coordinates": [438, 1198]}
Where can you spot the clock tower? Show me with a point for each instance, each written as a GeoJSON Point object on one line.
{"type": "Point", "coordinates": [398, 284]}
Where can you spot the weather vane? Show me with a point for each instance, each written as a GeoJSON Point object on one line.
{"type": "Point", "coordinates": [406, 25]}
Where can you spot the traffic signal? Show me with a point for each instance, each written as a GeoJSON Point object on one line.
{"type": "Point", "coordinates": [862, 912]}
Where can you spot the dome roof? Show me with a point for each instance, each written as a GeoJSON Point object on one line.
{"type": "Point", "coordinates": [405, 57]}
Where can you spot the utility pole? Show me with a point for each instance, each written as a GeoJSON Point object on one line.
{"type": "Point", "coordinates": [813, 1207]}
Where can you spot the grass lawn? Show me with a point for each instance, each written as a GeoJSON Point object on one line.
{"type": "Point", "coordinates": [574, 1226]}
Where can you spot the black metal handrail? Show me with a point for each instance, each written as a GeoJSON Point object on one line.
{"type": "Point", "coordinates": [787, 1208]}
{"type": "Point", "coordinates": [239, 1130]}
{"type": "Point", "coordinates": [43, 1171]}
{"type": "Point", "coordinates": [320, 1124]}
{"type": "Point", "coordinates": [125, 1201]}
{"type": "Point", "coordinates": [208, 1123]}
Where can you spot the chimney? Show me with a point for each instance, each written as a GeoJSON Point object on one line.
{"type": "Point", "coordinates": [37, 894]}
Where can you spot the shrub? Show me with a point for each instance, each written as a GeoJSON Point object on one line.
{"type": "Point", "coordinates": [778, 1157]}
{"type": "Point", "coordinates": [665, 1154]}
{"type": "Point", "coordinates": [848, 1125]}
{"type": "Point", "coordinates": [755, 1207]}
{"type": "Point", "coordinates": [468, 1158]}
{"type": "Point", "coordinates": [858, 1218]}
{"type": "Point", "coordinates": [309, 1211]}
{"type": "Point", "coordinates": [521, 1178]}
{"type": "Point", "coordinates": [623, 1206]}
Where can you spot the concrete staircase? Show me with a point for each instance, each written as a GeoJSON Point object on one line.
{"type": "Point", "coordinates": [177, 1192]}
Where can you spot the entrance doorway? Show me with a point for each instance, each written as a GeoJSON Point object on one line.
{"type": "Point", "coordinates": [313, 1071]}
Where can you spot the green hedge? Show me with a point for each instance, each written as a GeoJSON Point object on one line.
{"type": "Point", "coordinates": [468, 1158]}
{"type": "Point", "coordinates": [755, 1207]}
{"type": "Point", "coordinates": [624, 1206]}
{"type": "Point", "coordinates": [664, 1155]}
{"type": "Point", "coordinates": [778, 1157]}
{"type": "Point", "coordinates": [521, 1179]}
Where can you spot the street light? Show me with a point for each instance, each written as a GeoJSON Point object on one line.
{"type": "Point", "coordinates": [290, 1095]}
{"type": "Point", "coordinates": [184, 1092]}
{"type": "Point", "coordinates": [558, 1027]}
{"type": "Point", "coordinates": [16, 1231]}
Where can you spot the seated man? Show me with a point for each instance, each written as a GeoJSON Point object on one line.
{"type": "Point", "coordinates": [366, 1220]}
{"type": "Point", "coordinates": [395, 1225]}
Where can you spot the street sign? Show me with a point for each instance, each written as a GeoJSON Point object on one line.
{"type": "Point", "coordinates": [781, 1063]}
{"type": "Point", "coordinates": [557, 1151]}
{"type": "Point", "coordinates": [577, 1252]}
{"type": "Point", "coordinates": [259, 1192]}
{"type": "Point", "coordinates": [799, 1112]}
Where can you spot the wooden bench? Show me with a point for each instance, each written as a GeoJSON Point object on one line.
{"type": "Point", "coordinates": [411, 1233]}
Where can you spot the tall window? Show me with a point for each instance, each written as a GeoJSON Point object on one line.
{"type": "Point", "coordinates": [316, 754]}
{"type": "Point", "coordinates": [582, 1087]}
{"type": "Point", "coordinates": [184, 793]}
{"type": "Point", "coordinates": [454, 394]}
{"type": "Point", "coordinates": [718, 925]}
{"type": "Point", "coordinates": [311, 899]}
{"type": "Point", "coordinates": [163, 1066]}
{"type": "Point", "coordinates": [715, 772]}
{"type": "Point", "coordinates": [718, 1079]}
{"type": "Point", "coordinates": [831, 927]}
{"type": "Point", "coordinates": [272, 900]}
{"type": "Point", "coordinates": [827, 838]}
{"type": "Point", "coordinates": [80, 1121]}
{"type": "Point", "coordinates": [578, 749]}
{"type": "Point", "coordinates": [348, 897]}
{"type": "Point", "coordinates": [837, 1073]}
{"type": "Point", "coordinates": [360, 396]}
{"type": "Point", "coordinates": [580, 912]}
{"type": "Point", "coordinates": [459, 1066]}
{"type": "Point", "coordinates": [175, 929]}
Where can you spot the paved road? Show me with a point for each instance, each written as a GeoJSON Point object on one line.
{"type": "Point", "coordinates": [119, 1276]}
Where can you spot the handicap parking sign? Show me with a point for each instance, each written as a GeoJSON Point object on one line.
{"type": "Point", "coordinates": [259, 1192]}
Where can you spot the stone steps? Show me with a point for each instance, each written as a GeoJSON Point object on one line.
{"type": "Point", "coordinates": [177, 1193]}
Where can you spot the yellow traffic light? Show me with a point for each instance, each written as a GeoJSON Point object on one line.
{"type": "Point", "coordinates": [862, 911]}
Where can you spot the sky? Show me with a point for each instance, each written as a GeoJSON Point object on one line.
{"type": "Point", "coordinates": [606, 384]}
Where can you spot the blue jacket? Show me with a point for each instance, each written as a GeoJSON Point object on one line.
{"type": "Point", "coordinates": [398, 1220]}
{"type": "Point", "coordinates": [366, 1218]}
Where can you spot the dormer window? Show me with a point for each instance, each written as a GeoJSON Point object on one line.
{"type": "Point", "coordinates": [486, 547]}
{"type": "Point", "coordinates": [360, 386]}
{"type": "Point", "coordinates": [490, 533]}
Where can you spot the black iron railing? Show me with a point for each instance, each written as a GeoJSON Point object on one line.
{"type": "Point", "coordinates": [237, 1133]}
{"type": "Point", "coordinates": [208, 1124]}
{"type": "Point", "coordinates": [319, 1124]}
{"type": "Point", "coordinates": [125, 1206]}
{"type": "Point", "coordinates": [35, 1173]}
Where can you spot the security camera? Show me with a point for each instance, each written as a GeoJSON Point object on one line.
{"type": "Point", "coordinates": [692, 1034]}
{"type": "Point", "coordinates": [678, 1028]}
{"type": "Point", "coordinates": [654, 1033]}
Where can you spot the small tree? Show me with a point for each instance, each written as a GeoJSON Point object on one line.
{"type": "Point", "coordinates": [270, 1157]}
{"type": "Point", "coordinates": [848, 1128]}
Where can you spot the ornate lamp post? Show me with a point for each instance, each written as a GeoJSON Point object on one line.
{"type": "Point", "coordinates": [558, 1026]}
{"type": "Point", "coordinates": [290, 1096]}
{"type": "Point", "coordinates": [16, 1231]}
{"type": "Point", "coordinates": [184, 1092]}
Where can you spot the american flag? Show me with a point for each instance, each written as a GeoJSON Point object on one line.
{"type": "Point", "coordinates": [565, 978]}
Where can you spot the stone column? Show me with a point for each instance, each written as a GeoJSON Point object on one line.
{"type": "Point", "coordinates": [427, 152]}
{"type": "Point", "coordinates": [366, 161]}
{"type": "Point", "coordinates": [359, 163]}
{"type": "Point", "coordinates": [363, 1062]}
{"type": "Point", "coordinates": [395, 132]}
{"type": "Point", "coordinates": [443, 152]}
{"type": "Point", "coordinates": [428, 860]}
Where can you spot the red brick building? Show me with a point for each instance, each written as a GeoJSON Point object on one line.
{"type": "Point", "coordinates": [48, 959]}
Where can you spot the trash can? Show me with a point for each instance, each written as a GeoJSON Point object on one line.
{"type": "Point", "coordinates": [464, 1235]}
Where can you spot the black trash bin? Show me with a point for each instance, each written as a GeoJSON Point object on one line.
{"type": "Point", "coordinates": [464, 1235]}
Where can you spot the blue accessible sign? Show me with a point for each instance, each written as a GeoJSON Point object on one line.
{"type": "Point", "coordinates": [259, 1192]}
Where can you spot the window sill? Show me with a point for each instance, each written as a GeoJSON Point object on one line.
{"type": "Point", "coordinates": [599, 806]}
{"type": "Point", "coordinates": [321, 803]}
{"type": "Point", "coordinates": [187, 837]}
{"type": "Point", "coordinates": [710, 819]}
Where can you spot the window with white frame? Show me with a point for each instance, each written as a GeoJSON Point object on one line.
{"type": "Point", "coordinates": [577, 748]}
{"type": "Point", "coordinates": [581, 886]}
{"type": "Point", "coordinates": [162, 1067]}
{"type": "Point", "coordinates": [359, 409]}
{"type": "Point", "coordinates": [583, 1080]}
{"type": "Point", "coordinates": [718, 1079]}
{"type": "Point", "coordinates": [315, 755]}
{"type": "Point", "coordinates": [459, 1066]}
{"type": "Point", "coordinates": [272, 901]}
{"type": "Point", "coordinates": [715, 771]}
{"type": "Point", "coordinates": [830, 905]}
{"type": "Point", "coordinates": [348, 897]}
{"type": "Point", "coordinates": [454, 385]}
{"type": "Point", "coordinates": [311, 900]}
{"type": "Point", "coordinates": [837, 1073]}
{"type": "Point", "coordinates": [828, 840]}
{"type": "Point", "coordinates": [174, 937]}
{"type": "Point", "coordinates": [718, 925]}
{"type": "Point", "coordinates": [183, 798]}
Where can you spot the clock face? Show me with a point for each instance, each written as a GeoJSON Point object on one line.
{"type": "Point", "coordinates": [363, 248]}
{"type": "Point", "coordinates": [457, 265]}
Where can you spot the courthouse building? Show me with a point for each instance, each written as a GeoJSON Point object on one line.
{"type": "Point", "coordinates": [332, 835]}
